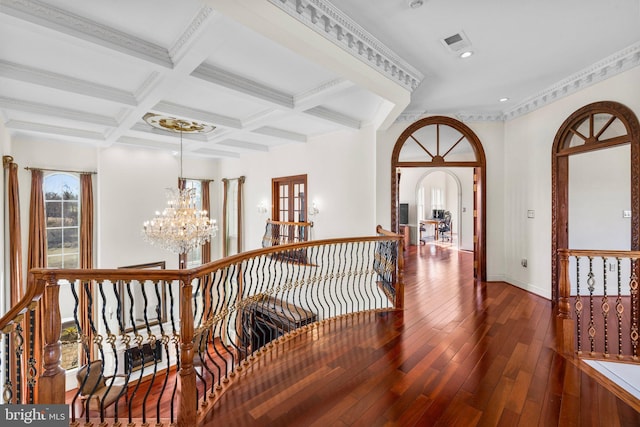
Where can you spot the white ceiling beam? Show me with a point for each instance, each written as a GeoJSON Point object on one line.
{"type": "Point", "coordinates": [62, 113]}
{"type": "Point", "coordinates": [88, 136]}
{"type": "Point", "coordinates": [48, 79]}
{"type": "Point", "coordinates": [280, 133]}
{"type": "Point", "coordinates": [65, 22]}
{"type": "Point", "coordinates": [334, 117]}
{"type": "Point", "coordinates": [220, 77]}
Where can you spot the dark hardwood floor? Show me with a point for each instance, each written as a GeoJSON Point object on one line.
{"type": "Point", "coordinates": [461, 354]}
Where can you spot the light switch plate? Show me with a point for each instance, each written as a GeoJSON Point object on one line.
{"type": "Point", "coordinates": [531, 213]}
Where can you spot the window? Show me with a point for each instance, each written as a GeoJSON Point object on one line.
{"type": "Point", "coordinates": [194, 257]}
{"type": "Point", "coordinates": [62, 215]}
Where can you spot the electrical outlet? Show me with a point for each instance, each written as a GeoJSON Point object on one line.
{"type": "Point", "coordinates": [626, 214]}
{"type": "Point", "coordinates": [612, 267]}
{"type": "Point", "coordinates": [523, 262]}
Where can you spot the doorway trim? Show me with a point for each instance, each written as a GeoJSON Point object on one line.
{"type": "Point", "coordinates": [560, 173]}
{"type": "Point", "coordinates": [479, 182]}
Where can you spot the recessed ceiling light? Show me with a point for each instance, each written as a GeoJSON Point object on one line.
{"type": "Point", "coordinates": [466, 54]}
{"type": "Point", "coordinates": [503, 99]}
{"type": "Point", "coordinates": [414, 4]}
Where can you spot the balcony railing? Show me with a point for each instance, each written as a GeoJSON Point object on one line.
{"type": "Point", "coordinates": [599, 308]}
{"type": "Point", "coordinates": [185, 334]}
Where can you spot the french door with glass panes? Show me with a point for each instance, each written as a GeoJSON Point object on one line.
{"type": "Point", "coordinates": [289, 198]}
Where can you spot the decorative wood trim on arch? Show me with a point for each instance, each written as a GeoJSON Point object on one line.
{"type": "Point", "coordinates": [560, 171]}
{"type": "Point", "coordinates": [479, 165]}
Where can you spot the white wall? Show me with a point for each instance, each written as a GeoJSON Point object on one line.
{"type": "Point", "coordinates": [340, 172]}
{"type": "Point", "coordinates": [599, 192]}
{"type": "Point", "coordinates": [527, 158]}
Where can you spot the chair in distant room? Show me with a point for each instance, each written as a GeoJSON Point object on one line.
{"type": "Point", "coordinates": [95, 388]}
{"type": "Point", "coordinates": [445, 227]}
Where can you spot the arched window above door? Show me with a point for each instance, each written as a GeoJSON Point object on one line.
{"type": "Point", "coordinates": [438, 141]}
{"type": "Point", "coordinates": [596, 128]}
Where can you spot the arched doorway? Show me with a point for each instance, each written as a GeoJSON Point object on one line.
{"type": "Point", "coordinates": [596, 126]}
{"type": "Point", "coordinates": [440, 141]}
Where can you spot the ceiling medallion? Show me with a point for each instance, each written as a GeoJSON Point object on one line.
{"type": "Point", "coordinates": [172, 124]}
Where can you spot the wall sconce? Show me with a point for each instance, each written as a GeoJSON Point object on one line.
{"type": "Point", "coordinates": [262, 207]}
{"type": "Point", "coordinates": [313, 210]}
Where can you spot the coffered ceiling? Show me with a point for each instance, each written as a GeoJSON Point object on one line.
{"type": "Point", "coordinates": [273, 72]}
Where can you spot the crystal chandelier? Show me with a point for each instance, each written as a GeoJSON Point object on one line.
{"type": "Point", "coordinates": [181, 226]}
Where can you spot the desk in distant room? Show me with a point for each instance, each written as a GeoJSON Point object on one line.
{"type": "Point", "coordinates": [431, 221]}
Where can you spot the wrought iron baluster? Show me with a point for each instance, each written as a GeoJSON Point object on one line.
{"type": "Point", "coordinates": [633, 284]}
{"type": "Point", "coordinates": [7, 392]}
{"type": "Point", "coordinates": [19, 351]}
{"type": "Point", "coordinates": [605, 307]}
{"type": "Point", "coordinates": [619, 309]}
{"type": "Point", "coordinates": [592, 327]}
{"type": "Point", "coordinates": [32, 372]}
{"type": "Point", "coordinates": [578, 308]}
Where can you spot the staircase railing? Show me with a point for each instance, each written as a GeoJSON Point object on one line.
{"type": "Point", "coordinates": [171, 341]}
{"type": "Point", "coordinates": [598, 311]}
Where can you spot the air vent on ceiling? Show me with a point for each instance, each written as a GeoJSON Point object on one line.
{"type": "Point", "coordinates": [456, 43]}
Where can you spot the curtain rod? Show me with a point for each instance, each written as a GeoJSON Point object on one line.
{"type": "Point", "coordinates": [196, 179]}
{"type": "Point", "coordinates": [242, 178]}
{"type": "Point", "coordinates": [60, 170]}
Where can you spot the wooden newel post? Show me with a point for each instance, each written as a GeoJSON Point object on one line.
{"type": "Point", "coordinates": [51, 383]}
{"type": "Point", "coordinates": [565, 325]}
{"type": "Point", "coordinates": [400, 276]}
{"type": "Point", "coordinates": [188, 402]}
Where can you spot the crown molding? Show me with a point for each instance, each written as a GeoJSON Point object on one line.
{"type": "Point", "coordinates": [411, 116]}
{"type": "Point", "coordinates": [612, 65]}
{"type": "Point", "coordinates": [54, 130]}
{"type": "Point", "coordinates": [45, 78]}
{"type": "Point", "coordinates": [617, 63]}
{"type": "Point", "coordinates": [331, 23]}
{"type": "Point", "coordinates": [76, 26]}
{"type": "Point", "coordinates": [181, 45]}
{"type": "Point", "coordinates": [62, 113]}
{"type": "Point", "coordinates": [495, 116]}
{"type": "Point", "coordinates": [334, 117]}
{"type": "Point", "coordinates": [221, 77]}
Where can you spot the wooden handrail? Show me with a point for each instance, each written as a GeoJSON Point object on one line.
{"type": "Point", "coordinates": [301, 224]}
{"type": "Point", "coordinates": [599, 253]}
{"type": "Point", "coordinates": [34, 293]}
{"type": "Point", "coordinates": [44, 287]}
